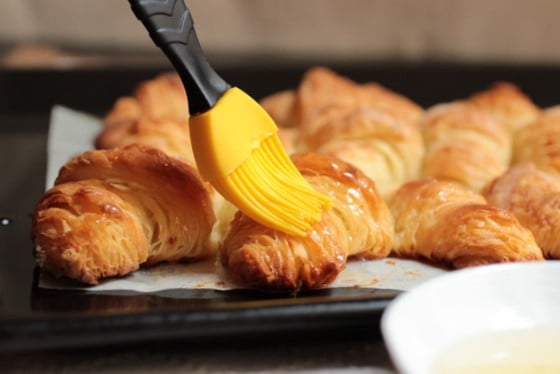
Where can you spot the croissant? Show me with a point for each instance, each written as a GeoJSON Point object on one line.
{"type": "Point", "coordinates": [170, 136]}
{"type": "Point", "coordinates": [321, 90]}
{"type": "Point", "coordinates": [381, 145]}
{"type": "Point", "coordinates": [449, 224]}
{"type": "Point", "coordinates": [533, 197]}
{"type": "Point", "coordinates": [155, 115]}
{"type": "Point", "coordinates": [539, 142]}
{"type": "Point", "coordinates": [464, 145]}
{"type": "Point", "coordinates": [111, 211]}
{"type": "Point", "coordinates": [367, 125]}
{"type": "Point", "coordinates": [280, 106]}
{"type": "Point", "coordinates": [162, 97]}
{"type": "Point", "coordinates": [359, 225]}
{"type": "Point", "coordinates": [507, 103]}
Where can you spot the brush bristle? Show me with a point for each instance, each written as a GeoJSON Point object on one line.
{"type": "Point", "coordinates": [269, 188]}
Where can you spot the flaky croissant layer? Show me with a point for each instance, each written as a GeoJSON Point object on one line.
{"type": "Point", "coordinates": [534, 197]}
{"type": "Point", "coordinates": [367, 125]}
{"type": "Point", "coordinates": [114, 210]}
{"type": "Point", "coordinates": [464, 144]}
{"type": "Point", "coordinates": [447, 223]}
{"type": "Point", "coordinates": [359, 224]}
{"type": "Point", "coordinates": [111, 211]}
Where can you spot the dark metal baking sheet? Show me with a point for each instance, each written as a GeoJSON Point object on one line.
{"type": "Point", "coordinates": [33, 318]}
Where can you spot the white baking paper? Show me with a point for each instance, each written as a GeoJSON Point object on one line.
{"type": "Point", "coordinates": [72, 132]}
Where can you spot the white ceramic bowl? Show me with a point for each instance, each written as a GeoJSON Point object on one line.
{"type": "Point", "coordinates": [422, 323]}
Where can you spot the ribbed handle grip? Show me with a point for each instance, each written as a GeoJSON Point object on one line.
{"type": "Point", "coordinates": [171, 27]}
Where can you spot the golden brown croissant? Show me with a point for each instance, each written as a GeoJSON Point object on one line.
{"type": "Point", "coordinates": [162, 97]}
{"type": "Point", "coordinates": [322, 89]}
{"type": "Point", "coordinates": [533, 197]}
{"type": "Point", "coordinates": [323, 95]}
{"type": "Point", "coordinates": [464, 144]}
{"type": "Point", "coordinates": [155, 115]}
{"type": "Point", "coordinates": [280, 106]}
{"type": "Point", "coordinates": [111, 211]}
{"type": "Point", "coordinates": [539, 142]}
{"type": "Point", "coordinates": [449, 224]}
{"type": "Point", "coordinates": [358, 225]}
{"type": "Point", "coordinates": [367, 125]}
{"type": "Point", "coordinates": [167, 135]}
{"type": "Point", "coordinates": [508, 103]}
{"type": "Point", "coordinates": [384, 147]}
{"type": "Point", "coordinates": [173, 138]}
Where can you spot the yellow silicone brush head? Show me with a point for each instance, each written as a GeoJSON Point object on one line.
{"type": "Point", "coordinates": [238, 151]}
{"type": "Point", "coordinates": [234, 140]}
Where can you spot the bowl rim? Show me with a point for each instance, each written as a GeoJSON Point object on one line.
{"type": "Point", "coordinates": [394, 311]}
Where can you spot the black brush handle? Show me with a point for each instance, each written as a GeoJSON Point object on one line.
{"type": "Point", "coordinates": [171, 27]}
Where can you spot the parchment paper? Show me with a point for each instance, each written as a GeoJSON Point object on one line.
{"type": "Point", "coordinates": [72, 132]}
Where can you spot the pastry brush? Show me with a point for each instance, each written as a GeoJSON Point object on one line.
{"type": "Point", "coordinates": [234, 140]}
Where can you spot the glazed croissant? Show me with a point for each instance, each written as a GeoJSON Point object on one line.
{"type": "Point", "coordinates": [359, 225]}
{"type": "Point", "coordinates": [448, 224]}
{"type": "Point", "coordinates": [464, 145]}
{"type": "Point", "coordinates": [367, 125]}
{"type": "Point", "coordinates": [539, 142]}
{"type": "Point", "coordinates": [156, 115]}
{"type": "Point", "coordinates": [507, 103]}
{"type": "Point", "coordinates": [533, 197]}
{"type": "Point", "coordinates": [111, 211]}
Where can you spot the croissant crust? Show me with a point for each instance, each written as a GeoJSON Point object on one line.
{"type": "Point", "coordinates": [112, 210]}
{"type": "Point", "coordinates": [464, 144]}
{"type": "Point", "coordinates": [138, 200]}
{"type": "Point", "coordinates": [449, 224]}
{"type": "Point", "coordinates": [162, 97]}
{"type": "Point", "coordinates": [539, 142]}
{"type": "Point", "coordinates": [367, 125]}
{"type": "Point", "coordinates": [507, 103]}
{"type": "Point", "coordinates": [359, 225]}
{"type": "Point", "coordinates": [533, 197]}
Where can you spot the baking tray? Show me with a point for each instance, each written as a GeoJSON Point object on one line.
{"type": "Point", "coordinates": [33, 318]}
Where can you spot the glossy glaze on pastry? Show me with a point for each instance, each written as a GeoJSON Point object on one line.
{"type": "Point", "coordinates": [363, 143]}
{"type": "Point", "coordinates": [359, 225]}
{"type": "Point", "coordinates": [111, 211]}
